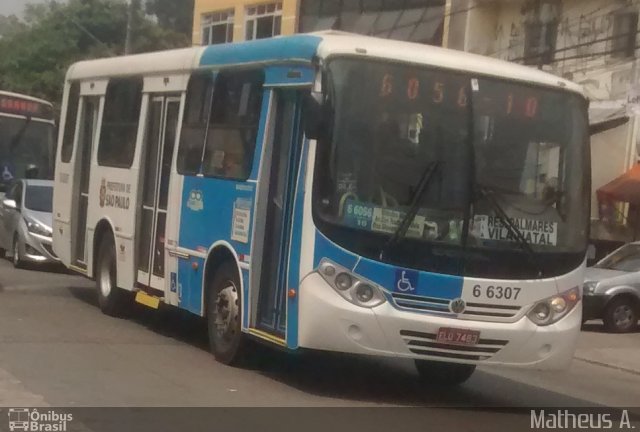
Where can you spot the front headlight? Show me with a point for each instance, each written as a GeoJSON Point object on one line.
{"type": "Point", "coordinates": [553, 309]}
{"type": "Point", "coordinates": [589, 287]}
{"type": "Point", "coordinates": [37, 228]}
{"type": "Point", "coordinates": [353, 288]}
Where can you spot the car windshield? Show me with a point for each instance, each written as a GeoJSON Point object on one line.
{"type": "Point", "coordinates": [25, 142]}
{"type": "Point", "coordinates": [393, 122]}
{"type": "Point", "coordinates": [39, 198]}
{"type": "Point", "coordinates": [627, 258]}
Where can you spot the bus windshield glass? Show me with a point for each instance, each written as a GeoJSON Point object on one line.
{"type": "Point", "coordinates": [25, 142]}
{"type": "Point", "coordinates": [456, 147]}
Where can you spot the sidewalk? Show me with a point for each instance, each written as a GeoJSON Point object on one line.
{"type": "Point", "coordinates": [616, 351]}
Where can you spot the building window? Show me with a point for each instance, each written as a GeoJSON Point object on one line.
{"type": "Point", "coordinates": [541, 31]}
{"type": "Point", "coordinates": [217, 28]}
{"type": "Point", "coordinates": [263, 21]}
{"type": "Point", "coordinates": [625, 29]}
{"type": "Point", "coordinates": [120, 123]}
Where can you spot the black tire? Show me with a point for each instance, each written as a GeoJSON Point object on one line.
{"type": "Point", "coordinates": [15, 255]}
{"type": "Point", "coordinates": [443, 374]}
{"type": "Point", "coordinates": [227, 342]}
{"type": "Point", "coordinates": [113, 301]}
{"type": "Point", "coordinates": [621, 315]}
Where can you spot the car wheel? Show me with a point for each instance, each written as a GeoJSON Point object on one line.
{"type": "Point", "coordinates": [621, 315]}
{"type": "Point", "coordinates": [112, 300]}
{"type": "Point", "coordinates": [443, 374]}
{"type": "Point", "coordinates": [16, 258]}
{"type": "Point", "coordinates": [226, 340]}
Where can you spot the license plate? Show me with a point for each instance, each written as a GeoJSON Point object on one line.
{"type": "Point", "coordinates": [457, 336]}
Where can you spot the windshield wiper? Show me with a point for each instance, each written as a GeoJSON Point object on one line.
{"type": "Point", "coordinates": [511, 227]}
{"type": "Point", "coordinates": [405, 223]}
{"type": "Point", "coordinates": [17, 138]}
{"type": "Point", "coordinates": [474, 186]}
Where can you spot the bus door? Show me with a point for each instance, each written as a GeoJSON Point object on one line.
{"type": "Point", "coordinates": [281, 179]}
{"type": "Point", "coordinates": [89, 106]}
{"type": "Point", "coordinates": [162, 127]}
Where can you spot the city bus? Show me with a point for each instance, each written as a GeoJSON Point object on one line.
{"type": "Point", "coordinates": [27, 138]}
{"type": "Point", "coordinates": [333, 192]}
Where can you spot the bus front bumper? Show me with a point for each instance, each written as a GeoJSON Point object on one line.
{"type": "Point", "coordinates": [329, 322]}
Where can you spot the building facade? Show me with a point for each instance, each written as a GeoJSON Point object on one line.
{"type": "Point", "coordinates": [221, 21]}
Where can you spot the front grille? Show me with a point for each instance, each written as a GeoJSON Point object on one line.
{"type": "Point", "coordinates": [425, 344]}
{"type": "Point", "coordinates": [49, 250]}
{"type": "Point", "coordinates": [477, 311]}
{"type": "Point", "coordinates": [407, 301]}
{"type": "Point", "coordinates": [489, 310]}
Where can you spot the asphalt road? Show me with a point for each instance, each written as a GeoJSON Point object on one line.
{"type": "Point", "coordinates": [57, 349]}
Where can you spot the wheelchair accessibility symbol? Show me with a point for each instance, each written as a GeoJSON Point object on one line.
{"type": "Point", "coordinates": [406, 281]}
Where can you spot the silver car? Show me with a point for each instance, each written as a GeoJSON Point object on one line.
{"type": "Point", "coordinates": [612, 290]}
{"type": "Point", "coordinates": [25, 222]}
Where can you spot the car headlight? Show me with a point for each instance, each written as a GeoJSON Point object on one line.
{"type": "Point", "coordinates": [37, 228]}
{"type": "Point", "coordinates": [353, 288]}
{"type": "Point", "coordinates": [553, 309]}
{"type": "Point", "coordinates": [589, 287]}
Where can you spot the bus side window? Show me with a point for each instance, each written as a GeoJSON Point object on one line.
{"type": "Point", "coordinates": [120, 124]}
{"type": "Point", "coordinates": [194, 123]}
{"type": "Point", "coordinates": [70, 123]}
{"type": "Point", "coordinates": [233, 125]}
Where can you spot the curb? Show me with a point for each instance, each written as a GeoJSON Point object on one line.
{"type": "Point", "coordinates": [608, 365]}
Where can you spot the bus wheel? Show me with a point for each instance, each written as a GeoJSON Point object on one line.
{"type": "Point", "coordinates": [443, 374]}
{"type": "Point", "coordinates": [111, 299]}
{"type": "Point", "coordinates": [226, 340]}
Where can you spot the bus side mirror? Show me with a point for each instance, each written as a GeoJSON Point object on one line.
{"type": "Point", "coordinates": [314, 116]}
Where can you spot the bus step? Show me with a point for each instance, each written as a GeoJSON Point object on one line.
{"type": "Point", "coordinates": [147, 300]}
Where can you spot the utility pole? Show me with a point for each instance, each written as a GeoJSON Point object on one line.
{"type": "Point", "coordinates": [132, 14]}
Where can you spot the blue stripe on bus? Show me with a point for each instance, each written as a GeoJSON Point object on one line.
{"type": "Point", "coordinates": [325, 248]}
{"type": "Point", "coordinates": [298, 47]}
{"type": "Point", "coordinates": [441, 286]}
{"type": "Point", "coordinates": [289, 75]}
{"type": "Point", "coordinates": [435, 285]}
{"type": "Point", "coordinates": [206, 222]}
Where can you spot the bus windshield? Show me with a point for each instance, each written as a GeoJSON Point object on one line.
{"type": "Point", "coordinates": [24, 142]}
{"type": "Point", "coordinates": [454, 146]}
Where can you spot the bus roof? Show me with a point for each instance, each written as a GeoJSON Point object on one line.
{"type": "Point", "coordinates": [161, 62]}
{"type": "Point", "coordinates": [304, 47]}
{"type": "Point", "coordinates": [340, 43]}
{"type": "Point", "coordinates": [25, 97]}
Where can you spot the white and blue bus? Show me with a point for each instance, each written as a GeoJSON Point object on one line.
{"type": "Point", "coordinates": [333, 192]}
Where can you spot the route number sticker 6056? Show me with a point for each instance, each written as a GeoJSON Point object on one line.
{"type": "Point", "coordinates": [496, 292]}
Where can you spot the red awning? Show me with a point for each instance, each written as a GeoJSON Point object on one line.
{"type": "Point", "coordinates": [625, 188]}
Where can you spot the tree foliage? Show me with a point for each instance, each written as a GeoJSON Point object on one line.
{"type": "Point", "coordinates": [36, 52]}
{"type": "Point", "coordinates": [176, 15]}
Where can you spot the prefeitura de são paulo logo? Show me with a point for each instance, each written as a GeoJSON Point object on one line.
{"type": "Point", "coordinates": [34, 420]}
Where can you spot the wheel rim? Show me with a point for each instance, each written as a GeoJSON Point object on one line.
{"type": "Point", "coordinates": [623, 316]}
{"type": "Point", "coordinates": [106, 276]}
{"type": "Point", "coordinates": [16, 253]}
{"type": "Point", "coordinates": [226, 315]}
